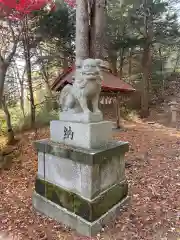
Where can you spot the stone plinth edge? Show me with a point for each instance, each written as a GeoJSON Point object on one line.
{"type": "Point", "coordinates": [81, 117]}
{"type": "Point", "coordinates": [86, 156]}
{"type": "Point", "coordinates": [70, 219]}
{"type": "Point", "coordinates": [88, 209]}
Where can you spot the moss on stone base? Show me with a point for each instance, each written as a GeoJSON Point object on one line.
{"type": "Point", "coordinates": [55, 194]}
{"type": "Point", "coordinates": [89, 210]}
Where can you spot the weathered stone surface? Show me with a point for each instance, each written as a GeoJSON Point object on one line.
{"type": "Point", "coordinates": [70, 219]}
{"type": "Point", "coordinates": [89, 210]}
{"type": "Point", "coordinates": [54, 211]}
{"type": "Point", "coordinates": [81, 117]}
{"type": "Point", "coordinates": [83, 188]}
{"type": "Point", "coordinates": [84, 135]}
{"type": "Point", "coordinates": [64, 173]}
{"type": "Point", "coordinates": [81, 178]}
{"type": "Point", "coordinates": [112, 171]}
{"type": "Point", "coordinates": [86, 156]}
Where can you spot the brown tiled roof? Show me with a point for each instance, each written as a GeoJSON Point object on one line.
{"type": "Point", "coordinates": [110, 82]}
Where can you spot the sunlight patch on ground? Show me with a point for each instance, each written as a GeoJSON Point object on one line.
{"type": "Point", "coordinates": [3, 142]}
{"type": "Point", "coordinates": [4, 236]}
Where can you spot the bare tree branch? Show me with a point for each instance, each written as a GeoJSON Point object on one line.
{"type": "Point", "coordinates": [1, 59]}
{"type": "Point", "coordinates": [15, 42]}
{"type": "Point", "coordinates": [6, 41]}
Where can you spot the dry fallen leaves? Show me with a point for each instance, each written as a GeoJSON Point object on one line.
{"type": "Point", "coordinates": [153, 173]}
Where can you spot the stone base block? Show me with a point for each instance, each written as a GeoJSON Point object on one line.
{"type": "Point", "coordinates": [79, 187]}
{"type": "Point", "coordinates": [90, 210]}
{"type": "Point", "coordinates": [81, 117]}
{"type": "Point", "coordinates": [60, 214]}
{"type": "Point", "coordinates": [84, 135]}
{"type": "Point", "coordinates": [81, 171]}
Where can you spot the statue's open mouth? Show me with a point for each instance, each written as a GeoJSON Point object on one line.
{"type": "Point", "coordinates": [91, 78]}
{"type": "Point", "coordinates": [90, 73]}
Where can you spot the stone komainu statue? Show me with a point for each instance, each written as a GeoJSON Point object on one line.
{"type": "Point", "coordinates": [85, 90]}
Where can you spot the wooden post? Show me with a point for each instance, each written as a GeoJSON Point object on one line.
{"type": "Point", "coordinates": [117, 111]}
{"type": "Point", "coordinates": [102, 103]}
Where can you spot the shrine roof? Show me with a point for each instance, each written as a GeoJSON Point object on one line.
{"type": "Point", "coordinates": [110, 82]}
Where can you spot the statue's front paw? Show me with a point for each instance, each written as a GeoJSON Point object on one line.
{"type": "Point", "coordinates": [86, 111]}
{"type": "Point", "coordinates": [98, 111]}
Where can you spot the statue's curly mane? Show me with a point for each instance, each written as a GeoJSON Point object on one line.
{"type": "Point", "coordinates": [86, 86]}
{"type": "Point", "coordinates": [83, 77]}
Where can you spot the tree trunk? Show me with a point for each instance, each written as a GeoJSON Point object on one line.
{"type": "Point", "coordinates": [49, 101]}
{"type": "Point", "coordinates": [21, 94]}
{"type": "Point", "coordinates": [161, 61]}
{"type": "Point", "coordinates": [114, 65]}
{"type": "Point", "coordinates": [147, 58]}
{"type": "Point", "coordinates": [161, 69]}
{"type": "Point", "coordinates": [121, 63]}
{"type": "Point", "coordinates": [65, 64]}
{"type": "Point", "coordinates": [117, 111]}
{"type": "Point", "coordinates": [98, 21]}
{"type": "Point", "coordinates": [3, 70]}
{"type": "Point", "coordinates": [28, 71]}
{"type": "Point", "coordinates": [82, 30]}
{"type": "Point", "coordinates": [48, 89]}
{"type": "Point", "coordinates": [45, 76]}
{"type": "Point", "coordinates": [22, 98]}
{"type": "Point", "coordinates": [146, 62]}
{"type": "Point", "coordinates": [130, 62]}
{"type": "Point", "coordinates": [10, 132]}
{"type": "Point", "coordinates": [50, 104]}
{"type": "Point", "coordinates": [29, 80]}
{"type": "Point", "coordinates": [177, 62]}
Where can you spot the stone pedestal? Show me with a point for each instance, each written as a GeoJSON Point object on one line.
{"type": "Point", "coordinates": [81, 117]}
{"type": "Point", "coordinates": [81, 171]}
{"type": "Point", "coordinates": [85, 135]}
{"type": "Point", "coordinates": [80, 187]}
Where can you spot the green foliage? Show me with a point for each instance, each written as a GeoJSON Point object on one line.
{"type": "Point", "coordinates": [131, 26]}
{"type": "Point", "coordinates": [43, 116]}
{"type": "Point", "coordinates": [19, 123]}
{"type": "Point", "coordinates": [117, 27]}
{"type": "Point", "coordinates": [59, 26]}
{"type": "Point", "coordinates": [128, 114]}
{"type": "Point", "coordinates": [126, 23]}
{"type": "Point", "coordinates": [136, 24]}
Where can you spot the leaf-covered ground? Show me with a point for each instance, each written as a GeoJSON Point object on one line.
{"type": "Point", "coordinates": [153, 172]}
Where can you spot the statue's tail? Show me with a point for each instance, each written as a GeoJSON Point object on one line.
{"type": "Point", "coordinates": [63, 95]}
